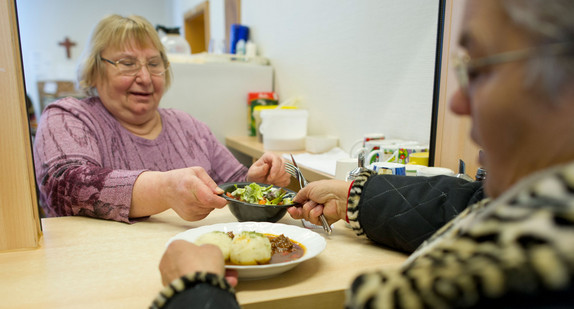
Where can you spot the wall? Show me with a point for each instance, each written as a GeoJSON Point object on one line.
{"type": "Point", "coordinates": [360, 66]}
{"type": "Point", "coordinates": [45, 23]}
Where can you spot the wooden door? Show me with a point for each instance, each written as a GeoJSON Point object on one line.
{"type": "Point", "coordinates": [197, 30]}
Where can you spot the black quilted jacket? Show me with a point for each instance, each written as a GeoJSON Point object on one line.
{"type": "Point", "coordinates": [402, 211]}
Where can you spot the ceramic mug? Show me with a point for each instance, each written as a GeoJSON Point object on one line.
{"type": "Point", "coordinates": [403, 153]}
{"type": "Point", "coordinates": [359, 145]}
{"type": "Point", "coordinates": [398, 152]}
{"type": "Point", "coordinates": [378, 151]}
{"type": "Point", "coordinates": [389, 168]}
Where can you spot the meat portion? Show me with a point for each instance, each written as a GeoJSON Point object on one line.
{"type": "Point", "coordinates": [281, 244]}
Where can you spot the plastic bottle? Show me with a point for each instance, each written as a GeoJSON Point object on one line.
{"type": "Point", "coordinates": [240, 47]}
{"type": "Point", "coordinates": [250, 49]}
{"type": "Point", "coordinates": [173, 41]}
{"type": "Point", "coordinates": [237, 32]}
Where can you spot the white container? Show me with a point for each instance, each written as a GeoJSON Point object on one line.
{"type": "Point", "coordinates": [284, 129]}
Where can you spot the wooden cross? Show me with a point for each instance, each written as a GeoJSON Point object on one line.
{"type": "Point", "coordinates": [68, 45]}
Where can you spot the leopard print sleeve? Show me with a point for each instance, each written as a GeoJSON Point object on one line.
{"type": "Point", "coordinates": [353, 201]}
{"type": "Point", "coordinates": [515, 251]}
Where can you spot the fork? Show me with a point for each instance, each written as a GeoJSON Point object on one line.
{"type": "Point", "coordinates": [294, 171]}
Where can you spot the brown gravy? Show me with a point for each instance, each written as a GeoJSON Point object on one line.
{"type": "Point", "coordinates": [284, 249]}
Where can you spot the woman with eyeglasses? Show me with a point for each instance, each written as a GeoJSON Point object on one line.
{"type": "Point", "coordinates": [514, 249]}
{"type": "Point", "coordinates": [116, 155]}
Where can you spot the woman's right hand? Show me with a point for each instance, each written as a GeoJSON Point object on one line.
{"type": "Point", "coordinates": [190, 192]}
{"type": "Point", "coordinates": [327, 197]}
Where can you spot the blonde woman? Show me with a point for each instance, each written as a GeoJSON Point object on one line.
{"type": "Point", "coordinates": [117, 155]}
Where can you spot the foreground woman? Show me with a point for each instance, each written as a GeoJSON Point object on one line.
{"type": "Point", "coordinates": [514, 249]}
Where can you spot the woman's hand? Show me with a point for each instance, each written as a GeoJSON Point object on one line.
{"type": "Point", "coordinates": [182, 257]}
{"type": "Point", "coordinates": [269, 169]}
{"type": "Point", "coordinates": [327, 197]}
{"type": "Point", "coordinates": [190, 192]}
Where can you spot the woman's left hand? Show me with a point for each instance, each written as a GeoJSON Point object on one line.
{"type": "Point", "coordinates": [182, 257]}
{"type": "Point", "coordinates": [269, 169]}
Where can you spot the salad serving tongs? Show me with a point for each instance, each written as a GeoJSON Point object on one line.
{"type": "Point", "coordinates": [294, 170]}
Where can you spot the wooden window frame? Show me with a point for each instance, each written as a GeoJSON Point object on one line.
{"type": "Point", "coordinates": [19, 217]}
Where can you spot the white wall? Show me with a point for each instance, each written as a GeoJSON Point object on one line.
{"type": "Point", "coordinates": [360, 66]}
{"type": "Point", "coordinates": [45, 23]}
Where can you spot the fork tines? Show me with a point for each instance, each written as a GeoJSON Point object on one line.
{"type": "Point", "coordinates": [296, 173]}
{"type": "Point", "coordinates": [291, 170]}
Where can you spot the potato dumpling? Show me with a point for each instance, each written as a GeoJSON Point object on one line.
{"type": "Point", "coordinates": [218, 238]}
{"type": "Point", "coordinates": [250, 248]}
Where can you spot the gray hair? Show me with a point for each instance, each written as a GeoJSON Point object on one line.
{"type": "Point", "coordinates": [547, 22]}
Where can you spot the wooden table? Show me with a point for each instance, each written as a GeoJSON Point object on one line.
{"type": "Point", "coordinates": [250, 146]}
{"type": "Point", "coordinates": [91, 263]}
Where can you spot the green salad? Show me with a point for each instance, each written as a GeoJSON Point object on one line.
{"type": "Point", "coordinates": [262, 195]}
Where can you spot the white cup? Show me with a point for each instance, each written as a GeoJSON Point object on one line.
{"type": "Point", "coordinates": [413, 169]}
{"type": "Point", "coordinates": [344, 166]}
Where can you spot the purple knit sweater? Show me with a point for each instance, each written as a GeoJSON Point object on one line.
{"type": "Point", "coordinates": [86, 162]}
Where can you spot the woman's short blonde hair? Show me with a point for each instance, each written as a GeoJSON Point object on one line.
{"type": "Point", "coordinates": [117, 32]}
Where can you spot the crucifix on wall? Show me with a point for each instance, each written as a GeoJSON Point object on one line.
{"type": "Point", "coordinates": [68, 45]}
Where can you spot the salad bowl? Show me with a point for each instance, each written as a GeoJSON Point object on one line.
{"type": "Point", "coordinates": [252, 211]}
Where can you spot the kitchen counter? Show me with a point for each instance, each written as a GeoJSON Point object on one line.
{"type": "Point", "coordinates": [91, 263]}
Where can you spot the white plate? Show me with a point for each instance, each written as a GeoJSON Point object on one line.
{"type": "Point", "coordinates": [313, 242]}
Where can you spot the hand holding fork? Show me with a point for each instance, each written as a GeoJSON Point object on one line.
{"type": "Point", "coordinates": [294, 170]}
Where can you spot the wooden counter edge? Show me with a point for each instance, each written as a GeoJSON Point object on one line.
{"type": "Point", "coordinates": [332, 299]}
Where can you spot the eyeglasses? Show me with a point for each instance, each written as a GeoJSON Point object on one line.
{"type": "Point", "coordinates": [131, 66]}
{"type": "Point", "coordinates": [465, 66]}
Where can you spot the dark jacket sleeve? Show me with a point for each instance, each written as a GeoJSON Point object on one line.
{"type": "Point", "coordinates": [203, 296]}
{"type": "Point", "coordinates": [402, 211]}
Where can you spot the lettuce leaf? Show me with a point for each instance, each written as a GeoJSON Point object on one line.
{"type": "Point", "coordinates": [253, 193]}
